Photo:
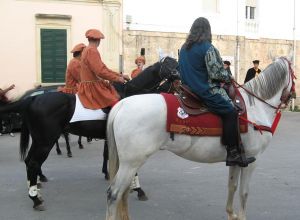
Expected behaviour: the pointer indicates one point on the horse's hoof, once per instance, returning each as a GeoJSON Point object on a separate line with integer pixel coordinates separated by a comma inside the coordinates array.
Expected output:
{"type": "Point", "coordinates": [81, 146]}
{"type": "Point", "coordinates": [233, 216]}
{"type": "Point", "coordinates": [70, 155]}
{"type": "Point", "coordinates": [37, 203]}
{"type": "Point", "coordinates": [59, 153]}
{"type": "Point", "coordinates": [39, 207]}
{"type": "Point", "coordinates": [141, 194]}
{"type": "Point", "coordinates": [106, 176]}
{"type": "Point", "coordinates": [142, 197]}
{"type": "Point", "coordinates": [39, 185]}
{"type": "Point", "coordinates": [43, 179]}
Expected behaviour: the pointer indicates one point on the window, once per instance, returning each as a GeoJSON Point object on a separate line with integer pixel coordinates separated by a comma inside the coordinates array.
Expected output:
{"type": "Point", "coordinates": [250, 12]}
{"type": "Point", "coordinates": [53, 55]}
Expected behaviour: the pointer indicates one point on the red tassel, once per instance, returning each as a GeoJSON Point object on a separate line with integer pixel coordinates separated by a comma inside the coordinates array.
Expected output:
{"type": "Point", "coordinates": [276, 121]}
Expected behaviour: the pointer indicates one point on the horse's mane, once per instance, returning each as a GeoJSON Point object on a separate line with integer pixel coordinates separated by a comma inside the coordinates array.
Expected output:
{"type": "Point", "coordinates": [269, 81]}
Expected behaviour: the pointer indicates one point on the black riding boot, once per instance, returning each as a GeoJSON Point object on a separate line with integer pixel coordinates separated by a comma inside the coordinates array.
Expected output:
{"type": "Point", "coordinates": [236, 156]}
{"type": "Point", "coordinates": [232, 140]}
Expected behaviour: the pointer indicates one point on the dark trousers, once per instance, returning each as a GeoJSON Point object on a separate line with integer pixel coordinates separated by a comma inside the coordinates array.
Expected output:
{"type": "Point", "coordinates": [230, 129]}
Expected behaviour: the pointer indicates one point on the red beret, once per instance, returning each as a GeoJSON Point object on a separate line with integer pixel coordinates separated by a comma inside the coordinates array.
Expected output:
{"type": "Point", "coordinates": [94, 34]}
{"type": "Point", "coordinates": [141, 58]}
{"type": "Point", "coordinates": [78, 48]}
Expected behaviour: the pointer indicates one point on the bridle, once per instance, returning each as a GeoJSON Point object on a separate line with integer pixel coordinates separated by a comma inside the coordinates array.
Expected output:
{"type": "Point", "coordinates": [174, 74]}
{"type": "Point", "coordinates": [285, 96]}
{"type": "Point", "coordinates": [170, 77]}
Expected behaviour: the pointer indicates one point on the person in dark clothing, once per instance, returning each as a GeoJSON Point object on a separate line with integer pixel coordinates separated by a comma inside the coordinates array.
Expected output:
{"type": "Point", "coordinates": [252, 72]}
{"type": "Point", "coordinates": [4, 100]}
{"type": "Point", "coordinates": [201, 68]}
{"type": "Point", "coordinates": [227, 65]}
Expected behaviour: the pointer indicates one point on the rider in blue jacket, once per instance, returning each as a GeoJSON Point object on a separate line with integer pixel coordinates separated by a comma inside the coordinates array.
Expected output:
{"type": "Point", "coordinates": [201, 68]}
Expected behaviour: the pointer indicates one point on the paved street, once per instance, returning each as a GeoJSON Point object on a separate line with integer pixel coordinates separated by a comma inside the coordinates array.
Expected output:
{"type": "Point", "coordinates": [177, 189]}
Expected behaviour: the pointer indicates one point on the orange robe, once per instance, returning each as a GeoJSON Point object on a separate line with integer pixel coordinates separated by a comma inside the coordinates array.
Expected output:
{"type": "Point", "coordinates": [135, 72]}
{"type": "Point", "coordinates": [72, 76]}
{"type": "Point", "coordinates": [94, 89]}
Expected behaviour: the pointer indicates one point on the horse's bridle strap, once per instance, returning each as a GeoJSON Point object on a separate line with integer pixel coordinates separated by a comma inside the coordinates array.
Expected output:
{"type": "Point", "coordinates": [292, 76]}
{"type": "Point", "coordinates": [261, 128]}
{"type": "Point", "coordinates": [237, 85]}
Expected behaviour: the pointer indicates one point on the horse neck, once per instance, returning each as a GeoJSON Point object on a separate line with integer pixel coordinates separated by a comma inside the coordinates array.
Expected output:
{"type": "Point", "coordinates": [267, 86]}
{"type": "Point", "coordinates": [260, 112]}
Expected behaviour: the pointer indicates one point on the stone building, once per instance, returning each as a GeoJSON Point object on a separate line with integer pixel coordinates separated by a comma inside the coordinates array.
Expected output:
{"type": "Point", "coordinates": [37, 35]}
{"type": "Point", "coordinates": [243, 30]}
{"type": "Point", "coordinates": [170, 43]}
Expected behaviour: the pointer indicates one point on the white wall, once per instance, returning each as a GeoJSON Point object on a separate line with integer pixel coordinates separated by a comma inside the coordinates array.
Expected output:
{"type": "Point", "coordinates": [275, 18]}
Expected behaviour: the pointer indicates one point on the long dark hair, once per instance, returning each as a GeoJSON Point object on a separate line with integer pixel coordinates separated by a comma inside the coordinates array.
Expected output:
{"type": "Point", "coordinates": [199, 32]}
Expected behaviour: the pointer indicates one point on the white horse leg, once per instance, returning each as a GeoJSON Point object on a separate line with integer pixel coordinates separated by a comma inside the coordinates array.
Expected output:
{"type": "Point", "coordinates": [246, 175]}
{"type": "Point", "coordinates": [117, 194]}
{"type": "Point", "coordinates": [233, 179]}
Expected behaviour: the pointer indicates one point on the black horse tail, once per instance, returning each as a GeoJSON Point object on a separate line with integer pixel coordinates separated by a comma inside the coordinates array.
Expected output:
{"type": "Point", "coordinates": [24, 141]}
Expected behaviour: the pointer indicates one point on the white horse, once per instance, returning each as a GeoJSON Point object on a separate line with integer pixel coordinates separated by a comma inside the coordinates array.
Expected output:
{"type": "Point", "coordinates": [128, 151]}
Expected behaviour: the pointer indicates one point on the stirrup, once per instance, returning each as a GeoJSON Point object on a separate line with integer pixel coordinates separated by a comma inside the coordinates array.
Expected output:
{"type": "Point", "coordinates": [241, 163]}
{"type": "Point", "coordinates": [235, 158]}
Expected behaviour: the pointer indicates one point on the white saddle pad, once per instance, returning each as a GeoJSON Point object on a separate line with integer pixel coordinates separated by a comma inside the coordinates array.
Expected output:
{"type": "Point", "coordinates": [83, 114]}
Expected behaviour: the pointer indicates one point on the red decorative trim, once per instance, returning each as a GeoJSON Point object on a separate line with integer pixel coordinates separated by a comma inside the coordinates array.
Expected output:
{"type": "Point", "coordinates": [261, 128]}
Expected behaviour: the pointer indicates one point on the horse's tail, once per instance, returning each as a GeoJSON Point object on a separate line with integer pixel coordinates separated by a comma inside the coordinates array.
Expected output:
{"type": "Point", "coordinates": [24, 140]}
{"type": "Point", "coordinates": [112, 146]}
{"type": "Point", "coordinates": [122, 209]}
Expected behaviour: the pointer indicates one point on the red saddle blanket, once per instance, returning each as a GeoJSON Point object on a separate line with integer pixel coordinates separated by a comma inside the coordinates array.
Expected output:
{"type": "Point", "coordinates": [206, 124]}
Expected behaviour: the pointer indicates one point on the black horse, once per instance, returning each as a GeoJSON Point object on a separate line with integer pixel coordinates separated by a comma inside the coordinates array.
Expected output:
{"type": "Point", "coordinates": [68, 147]}
{"type": "Point", "coordinates": [47, 116]}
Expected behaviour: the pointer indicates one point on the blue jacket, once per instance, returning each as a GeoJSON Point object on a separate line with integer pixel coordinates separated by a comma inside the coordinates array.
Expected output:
{"type": "Point", "coordinates": [201, 68]}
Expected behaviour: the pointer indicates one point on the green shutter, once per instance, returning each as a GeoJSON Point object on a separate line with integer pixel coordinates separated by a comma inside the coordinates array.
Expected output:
{"type": "Point", "coordinates": [53, 55]}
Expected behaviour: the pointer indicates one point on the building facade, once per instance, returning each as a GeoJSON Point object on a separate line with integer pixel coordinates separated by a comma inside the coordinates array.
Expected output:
{"type": "Point", "coordinates": [38, 35]}
{"type": "Point", "coordinates": [169, 43]}
{"type": "Point", "coordinates": [243, 30]}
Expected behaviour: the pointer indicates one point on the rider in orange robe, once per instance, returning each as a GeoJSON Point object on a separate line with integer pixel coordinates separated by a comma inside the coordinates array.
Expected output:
{"type": "Point", "coordinates": [73, 70]}
{"type": "Point", "coordinates": [140, 62]}
{"type": "Point", "coordinates": [95, 90]}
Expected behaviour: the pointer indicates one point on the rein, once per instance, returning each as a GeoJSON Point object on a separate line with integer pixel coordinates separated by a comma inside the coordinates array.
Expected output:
{"type": "Point", "coordinates": [237, 85]}
{"type": "Point", "coordinates": [284, 100]}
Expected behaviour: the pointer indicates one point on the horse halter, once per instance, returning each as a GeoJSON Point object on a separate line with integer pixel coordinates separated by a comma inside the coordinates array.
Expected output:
{"type": "Point", "coordinates": [168, 72]}
{"type": "Point", "coordinates": [285, 96]}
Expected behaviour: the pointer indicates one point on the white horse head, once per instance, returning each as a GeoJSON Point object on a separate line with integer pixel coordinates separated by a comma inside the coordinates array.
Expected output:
{"type": "Point", "coordinates": [129, 150]}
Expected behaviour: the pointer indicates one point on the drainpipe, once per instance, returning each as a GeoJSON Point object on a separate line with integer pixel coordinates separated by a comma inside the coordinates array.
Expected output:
{"type": "Point", "coordinates": [237, 48]}
{"type": "Point", "coordinates": [294, 48]}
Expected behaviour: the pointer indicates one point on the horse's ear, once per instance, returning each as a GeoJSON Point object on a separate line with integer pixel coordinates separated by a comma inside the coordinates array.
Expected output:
{"type": "Point", "coordinates": [271, 56]}
{"type": "Point", "coordinates": [290, 57]}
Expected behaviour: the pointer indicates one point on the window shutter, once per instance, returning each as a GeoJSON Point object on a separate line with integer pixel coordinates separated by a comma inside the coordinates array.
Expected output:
{"type": "Point", "coordinates": [53, 55]}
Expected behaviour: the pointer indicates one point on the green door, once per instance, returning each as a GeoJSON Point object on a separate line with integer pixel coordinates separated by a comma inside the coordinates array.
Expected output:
{"type": "Point", "coordinates": [53, 55]}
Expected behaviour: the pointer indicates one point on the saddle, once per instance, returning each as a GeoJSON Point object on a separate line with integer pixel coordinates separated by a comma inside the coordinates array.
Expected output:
{"type": "Point", "coordinates": [193, 105]}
